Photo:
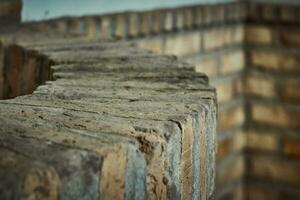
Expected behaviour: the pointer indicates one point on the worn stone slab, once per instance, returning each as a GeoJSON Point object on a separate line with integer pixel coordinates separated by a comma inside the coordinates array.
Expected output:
{"type": "Point", "coordinates": [108, 149]}
{"type": "Point", "coordinates": [122, 105]}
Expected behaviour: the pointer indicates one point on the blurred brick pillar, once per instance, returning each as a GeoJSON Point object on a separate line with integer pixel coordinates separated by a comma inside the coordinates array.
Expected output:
{"type": "Point", "coordinates": [10, 13]}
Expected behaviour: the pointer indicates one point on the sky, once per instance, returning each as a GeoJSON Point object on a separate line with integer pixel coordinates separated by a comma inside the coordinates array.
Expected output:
{"type": "Point", "coordinates": [46, 9]}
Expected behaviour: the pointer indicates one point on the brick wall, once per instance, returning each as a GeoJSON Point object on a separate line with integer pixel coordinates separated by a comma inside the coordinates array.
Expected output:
{"type": "Point", "coordinates": [272, 86]}
{"type": "Point", "coordinates": [211, 38]}
{"type": "Point", "coordinates": [250, 53]}
{"type": "Point", "coordinates": [10, 13]}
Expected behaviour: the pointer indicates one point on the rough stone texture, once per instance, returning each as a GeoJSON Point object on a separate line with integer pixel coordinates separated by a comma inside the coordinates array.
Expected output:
{"type": "Point", "coordinates": [126, 123]}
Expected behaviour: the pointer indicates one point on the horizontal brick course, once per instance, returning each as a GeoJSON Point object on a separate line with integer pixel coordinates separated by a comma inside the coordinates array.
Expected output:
{"type": "Point", "coordinates": [278, 62]}
{"type": "Point", "coordinates": [275, 170]}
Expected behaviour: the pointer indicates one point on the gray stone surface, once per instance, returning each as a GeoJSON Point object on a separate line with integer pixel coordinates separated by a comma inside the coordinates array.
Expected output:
{"type": "Point", "coordinates": [126, 124]}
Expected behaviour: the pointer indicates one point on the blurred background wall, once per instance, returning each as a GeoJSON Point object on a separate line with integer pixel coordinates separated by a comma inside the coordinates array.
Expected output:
{"type": "Point", "coordinates": [41, 10]}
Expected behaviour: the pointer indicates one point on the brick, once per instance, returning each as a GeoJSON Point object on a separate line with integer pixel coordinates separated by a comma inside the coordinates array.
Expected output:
{"type": "Point", "coordinates": [289, 195]}
{"type": "Point", "coordinates": [145, 25]}
{"type": "Point", "coordinates": [121, 26]}
{"type": "Point", "coordinates": [239, 193]}
{"type": "Point", "coordinates": [260, 86]}
{"type": "Point", "coordinates": [289, 38]}
{"type": "Point", "coordinates": [14, 59]}
{"type": "Point", "coordinates": [1, 71]}
{"type": "Point", "coordinates": [152, 44]}
{"type": "Point", "coordinates": [275, 170]}
{"type": "Point", "coordinates": [30, 73]}
{"type": "Point", "coordinates": [287, 13]}
{"type": "Point", "coordinates": [156, 22]}
{"type": "Point", "coordinates": [183, 44]}
{"type": "Point", "coordinates": [258, 35]}
{"type": "Point", "coordinates": [207, 14]}
{"type": "Point", "coordinates": [269, 13]}
{"type": "Point", "coordinates": [105, 27]}
{"type": "Point", "coordinates": [60, 25]}
{"type": "Point", "coordinates": [95, 107]}
{"type": "Point", "coordinates": [75, 26]}
{"type": "Point", "coordinates": [254, 141]}
{"type": "Point", "coordinates": [284, 117]}
{"type": "Point", "coordinates": [231, 118]}
{"type": "Point", "coordinates": [205, 65]}
{"type": "Point", "coordinates": [228, 90]}
{"type": "Point", "coordinates": [291, 91]}
{"type": "Point", "coordinates": [168, 21]}
{"type": "Point", "coordinates": [233, 171]}
{"type": "Point", "coordinates": [238, 34]}
{"type": "Point", "coordinates": [133, 25]}
{"type": "Point", "coordinates": [278, 62]}
{"type": "Point", "coordinates": [216, 38]}
{"type": "Point", "coordinates": [232, 62]}
{"type": "Point", "coordinates": [188, 17]}
{"type": "Point", "coordinates": [230, 145]}
{"type": "Point", "coordinates": [239, 141]}
{"type": "Point", "coordinates": [179, 19]}
{"type": "Point", "coordinates": [258, 193]}
{"type": "Point", "coordinates": [224, 148]}
{"type": "Point", "coordinates": [199, 18]}
{"type": "Point", "coordinates": [291, 147]}
{"type": "Point", "coordinates": [9, 8]}
{"type": "Point", "coordinates": [92, 27]}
